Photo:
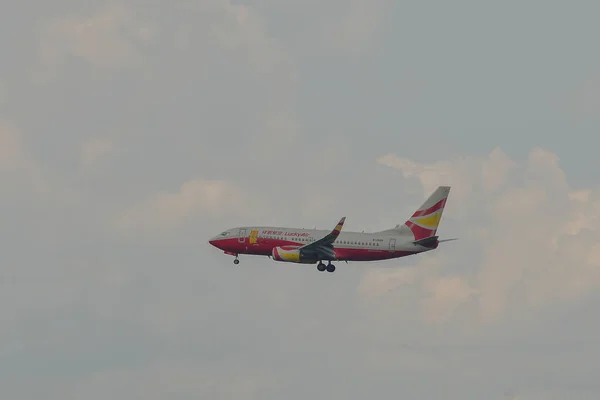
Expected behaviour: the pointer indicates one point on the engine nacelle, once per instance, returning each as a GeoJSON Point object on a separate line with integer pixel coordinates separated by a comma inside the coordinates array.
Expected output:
{"type": "Point", "coordinates": [290, 254]}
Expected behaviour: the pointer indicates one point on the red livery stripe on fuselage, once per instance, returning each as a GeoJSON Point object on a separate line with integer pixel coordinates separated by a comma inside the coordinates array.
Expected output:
{"type": "Point", "coordinates": [265, 246]}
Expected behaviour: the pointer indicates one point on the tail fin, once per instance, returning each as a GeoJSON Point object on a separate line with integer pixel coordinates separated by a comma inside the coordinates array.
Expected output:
{"type": "Point", "coordinates": [425, 221]}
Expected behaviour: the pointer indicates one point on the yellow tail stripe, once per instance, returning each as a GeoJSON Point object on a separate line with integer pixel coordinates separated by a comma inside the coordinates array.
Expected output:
{"type": "Point", "coordinates": [429, 221]}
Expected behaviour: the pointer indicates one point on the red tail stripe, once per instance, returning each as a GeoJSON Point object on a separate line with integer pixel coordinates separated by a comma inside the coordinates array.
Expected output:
{"type": "Point", "coordinates": [419, 232]}
{"type": "Point", "coordinates": [431, 209]}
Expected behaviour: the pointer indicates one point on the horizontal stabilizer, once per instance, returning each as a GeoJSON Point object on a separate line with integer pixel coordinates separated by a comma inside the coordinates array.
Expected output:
{"type": "Point", "coordinates": [426, 242]}
{"type": "Point", "coordinates": [447, 240]}
{"type": "Point", "coordinates": [431, 241]}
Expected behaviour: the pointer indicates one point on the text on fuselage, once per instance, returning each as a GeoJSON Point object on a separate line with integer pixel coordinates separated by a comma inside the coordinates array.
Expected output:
{"type": "Point", "coordinates": [280, 233]}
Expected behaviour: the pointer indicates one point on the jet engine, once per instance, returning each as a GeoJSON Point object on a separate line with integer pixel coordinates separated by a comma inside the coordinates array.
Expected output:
{"type": "Point", "coordinates": [290, 254]}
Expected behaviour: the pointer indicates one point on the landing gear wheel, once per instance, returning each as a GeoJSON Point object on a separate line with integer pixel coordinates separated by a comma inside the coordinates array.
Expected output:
{"type": "Point", "coordinates": [330, 268]}
{"type": "Point", "coordinates": [236, 261]}
{"type": "Point", "coordinates": [321, 267]}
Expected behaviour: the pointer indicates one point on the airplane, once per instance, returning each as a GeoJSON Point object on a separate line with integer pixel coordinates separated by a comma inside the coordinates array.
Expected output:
{"type": "Point", "coordinates": [313, 246]}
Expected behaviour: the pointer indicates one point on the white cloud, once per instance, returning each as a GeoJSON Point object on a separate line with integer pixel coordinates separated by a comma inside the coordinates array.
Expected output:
{"type": "Point", "coordinates": [541, 237]}
{"type": "Point", "coordinates": [107, 39]}
{"type": "Point", "coordinates": [195, 198]}
{"type": "Point", "coordinates": [376, 282]}
{"type": "Point", "coordinates": [3, 96]}
{"type": "Point", "coordinates": [27, 180]}
{"type": "Point", "coordinates": [271, 62]}
{"type": "Point", "coordinates": [235, 41]}
{"type": "Point", "coordinates": [244, 29]}
{"type": "Point", "coordinates": [95, 150]}
{"type": "Point", "coordinates": [18, 169]}
{"type": "Point", "coordinates": [495, 170]}
{"type": "Point", "coordinates": [583, 103]}
{"type": "Point", "coordinates": [356, 24]}
{"type": "Point", "coordinates": [158, 381]}
{"type": "Point", "coordinates": [11, 148]}
{"type": "Point", "coordinates": [457, 173]}
{"type": "Point", "coordinates": [350, 27]}
{"type": "Point", "coordinates": [445, 296]}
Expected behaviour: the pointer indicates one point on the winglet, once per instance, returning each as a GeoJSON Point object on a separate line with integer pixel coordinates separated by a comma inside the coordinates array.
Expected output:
{"type": "Point", "coordinates": [338, 228]}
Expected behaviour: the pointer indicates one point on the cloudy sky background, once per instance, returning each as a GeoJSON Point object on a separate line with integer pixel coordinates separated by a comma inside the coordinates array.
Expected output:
{"type": "Point", "coordinates": [132, 131]}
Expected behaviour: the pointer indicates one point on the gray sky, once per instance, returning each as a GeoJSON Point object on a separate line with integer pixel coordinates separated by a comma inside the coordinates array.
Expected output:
{"type": "Point", "coordinates": [132, 131]}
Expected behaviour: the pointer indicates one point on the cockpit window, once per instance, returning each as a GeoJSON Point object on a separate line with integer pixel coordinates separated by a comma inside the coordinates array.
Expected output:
{"type": "Point", "coordinates": [224, 233]}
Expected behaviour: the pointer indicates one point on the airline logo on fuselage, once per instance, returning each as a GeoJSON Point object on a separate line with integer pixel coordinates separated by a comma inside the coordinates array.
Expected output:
{"type": "Point", "coordinates": [289, 234]}
{"type": "Point", "coordinates": [253, 236]}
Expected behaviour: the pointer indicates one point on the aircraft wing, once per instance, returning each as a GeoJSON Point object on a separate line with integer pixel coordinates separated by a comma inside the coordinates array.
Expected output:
{"type": "Point", "coordinates": [323, 248]}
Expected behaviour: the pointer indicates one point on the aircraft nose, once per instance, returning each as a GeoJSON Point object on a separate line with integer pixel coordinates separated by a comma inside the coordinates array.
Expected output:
{"type": "Point", "coordinates": [219, 241]}
{"type": "Point", "coordinates": [215, 242]}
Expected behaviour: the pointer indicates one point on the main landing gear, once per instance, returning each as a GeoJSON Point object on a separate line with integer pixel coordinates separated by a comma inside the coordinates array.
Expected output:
{"type": "Point", "coordinates": [329, 267]}
{"type": "Point", "coordinates": [236, 261]}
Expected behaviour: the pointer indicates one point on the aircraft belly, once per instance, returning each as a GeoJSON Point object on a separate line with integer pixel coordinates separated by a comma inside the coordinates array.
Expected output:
{"type": "Point", "coordinates": [370, 255]}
